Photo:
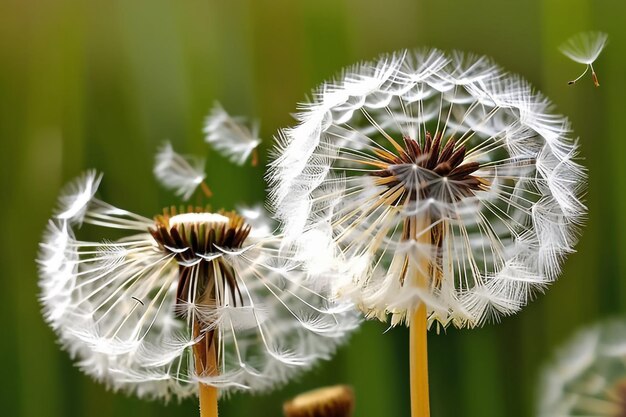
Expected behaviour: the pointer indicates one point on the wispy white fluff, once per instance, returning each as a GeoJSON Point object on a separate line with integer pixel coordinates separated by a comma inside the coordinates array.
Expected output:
{"type": "Point", "coordinates": [584, 48]}
{"type": "Point", "coordinates": [586, 375]}
{"type": "Point", "coordinates": [182, 174]}
{"type": "Point", "coordinates": [500, 244]}
{"type": "Point", "coordinates": [230, 135]}
{"type": "Point", "coordinates": [76, 195]}
{"type": "Point", "coordinates": [113, 303]}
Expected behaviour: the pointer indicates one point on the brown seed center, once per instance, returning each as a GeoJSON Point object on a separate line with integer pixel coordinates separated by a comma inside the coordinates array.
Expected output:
{"type": "Point", "coordinates": [196, 239]}
{"type": "Point", "coordinates": [430, 162]}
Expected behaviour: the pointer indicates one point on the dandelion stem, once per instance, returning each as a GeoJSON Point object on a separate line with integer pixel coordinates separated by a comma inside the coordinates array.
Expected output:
{"type": "Point", "coordinates": [420, 405]}
{"type": "Point", "coordinates": [418, 327]}
{"type": "Point", "coordinates": [208, 401]}
{"type": "Point", "coordinates": [206, 365]}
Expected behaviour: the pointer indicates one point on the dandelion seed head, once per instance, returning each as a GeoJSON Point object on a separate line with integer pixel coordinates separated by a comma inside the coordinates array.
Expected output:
{"type": "Point", "coordinates": [145, 313]}
{"type": "Point", "coordinates": [438, 179]}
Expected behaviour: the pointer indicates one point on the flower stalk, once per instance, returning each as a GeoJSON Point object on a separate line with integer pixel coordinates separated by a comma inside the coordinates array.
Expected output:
{"type": "Point", "coordinates": [421, 231]}
{"type": "Point", "coordinates": [418, 345]}
{"type": "Point", "coordinates": [208, 401]}
{"type": "Point", "coordinates": [206, 365]}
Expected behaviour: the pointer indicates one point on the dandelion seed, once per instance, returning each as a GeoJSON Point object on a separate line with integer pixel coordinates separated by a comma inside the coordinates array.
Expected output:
{"type": "Point", "coordinates": [231, 137]}
{"type": "Point", "coordinates": [444, 187]}
{"type": "Point", "coordinates": [179, 173]}
{"type": "Point", "coordinates": [187, 303]}
{"type": "Point", "coordinates": [584, 48]}
{"type": "Point", "coordinates": [587, 375]}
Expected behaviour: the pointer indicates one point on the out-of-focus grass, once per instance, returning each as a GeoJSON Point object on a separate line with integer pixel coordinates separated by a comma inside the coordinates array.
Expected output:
{"type": "Point", "coordinates": [102, 84]}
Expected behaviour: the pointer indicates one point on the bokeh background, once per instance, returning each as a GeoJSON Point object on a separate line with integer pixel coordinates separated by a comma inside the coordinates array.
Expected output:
{"type": "Point", "coordinates": [102, 83]}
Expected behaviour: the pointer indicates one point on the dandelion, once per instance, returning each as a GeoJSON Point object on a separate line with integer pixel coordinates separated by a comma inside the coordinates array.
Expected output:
{"type": "Point", "coordinates": [584, 48]}
{"type": "Point", "coordinates": [587, 376]}
{"type": "Point", "coordinates": [191, 302]}
{"type": "Point", "coordinates": [231, 137]}
{"type": "Point", "coordinates": [335, 401]}
{"type": "Point", "coordinates": [446, 188]}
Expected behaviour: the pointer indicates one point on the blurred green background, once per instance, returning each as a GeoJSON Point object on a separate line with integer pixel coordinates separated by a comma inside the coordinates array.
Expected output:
{"type": "Point", "coordinates": [102, 83]}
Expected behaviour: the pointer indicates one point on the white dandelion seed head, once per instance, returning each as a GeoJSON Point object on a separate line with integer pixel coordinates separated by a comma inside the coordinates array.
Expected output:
{"type": "Point", "coordinates": [587, 375]}
{"type": "Point", "coordinates": [182, 174]}
{"type": "Point", "coordinates": [584, 47]}
{"type": "Point", "coordinates": [133, 310]}
{"type": "Point", "coordinates": [439, 179]}
{"type": "Point", "coordinates": [230, 136]}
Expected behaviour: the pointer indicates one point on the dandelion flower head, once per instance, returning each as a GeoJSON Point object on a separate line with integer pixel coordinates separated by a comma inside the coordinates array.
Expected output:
{"type": "Point", "coordinates": [158, 305]}
{"type": "Point", "coordinates": [438, 179]}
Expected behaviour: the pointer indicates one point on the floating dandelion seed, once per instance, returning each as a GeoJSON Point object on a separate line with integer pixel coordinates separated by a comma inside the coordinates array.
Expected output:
{"type": "Point", "coordinates": [186, 303]}
{"type": "Point", "coordinates": [231, 137]}
{"type": "Point", "coordinates": [448, 189]}
{"type": "Point", "coordinates": [584, 48]}
{"type": "Point", "coordinates": [179, 173]}
{"type": "Point", "coordinates": [588, 375]}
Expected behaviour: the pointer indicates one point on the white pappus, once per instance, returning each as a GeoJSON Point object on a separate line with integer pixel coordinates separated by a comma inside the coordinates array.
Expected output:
{"type": "Point", "coordinates": [584, 48]}
{"type": "Point", "coordinates": [231, 137]}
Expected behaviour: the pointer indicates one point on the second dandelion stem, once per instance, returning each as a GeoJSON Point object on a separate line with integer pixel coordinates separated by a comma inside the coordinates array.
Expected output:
{"type": "Point", "coordinates": [419, 230]}
{"type": "Point", "coordinates": [418, 345]}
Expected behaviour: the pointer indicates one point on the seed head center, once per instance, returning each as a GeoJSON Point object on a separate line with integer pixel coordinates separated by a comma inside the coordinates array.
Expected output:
{"type": "Point", "coordinates": [198, 232]}
{"type": "Point", "coordinates": [199, 218]}
{"type": "Point", "coordinates": [420, 168]}
{"type": "Point", "coordinates": [197, 238]}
